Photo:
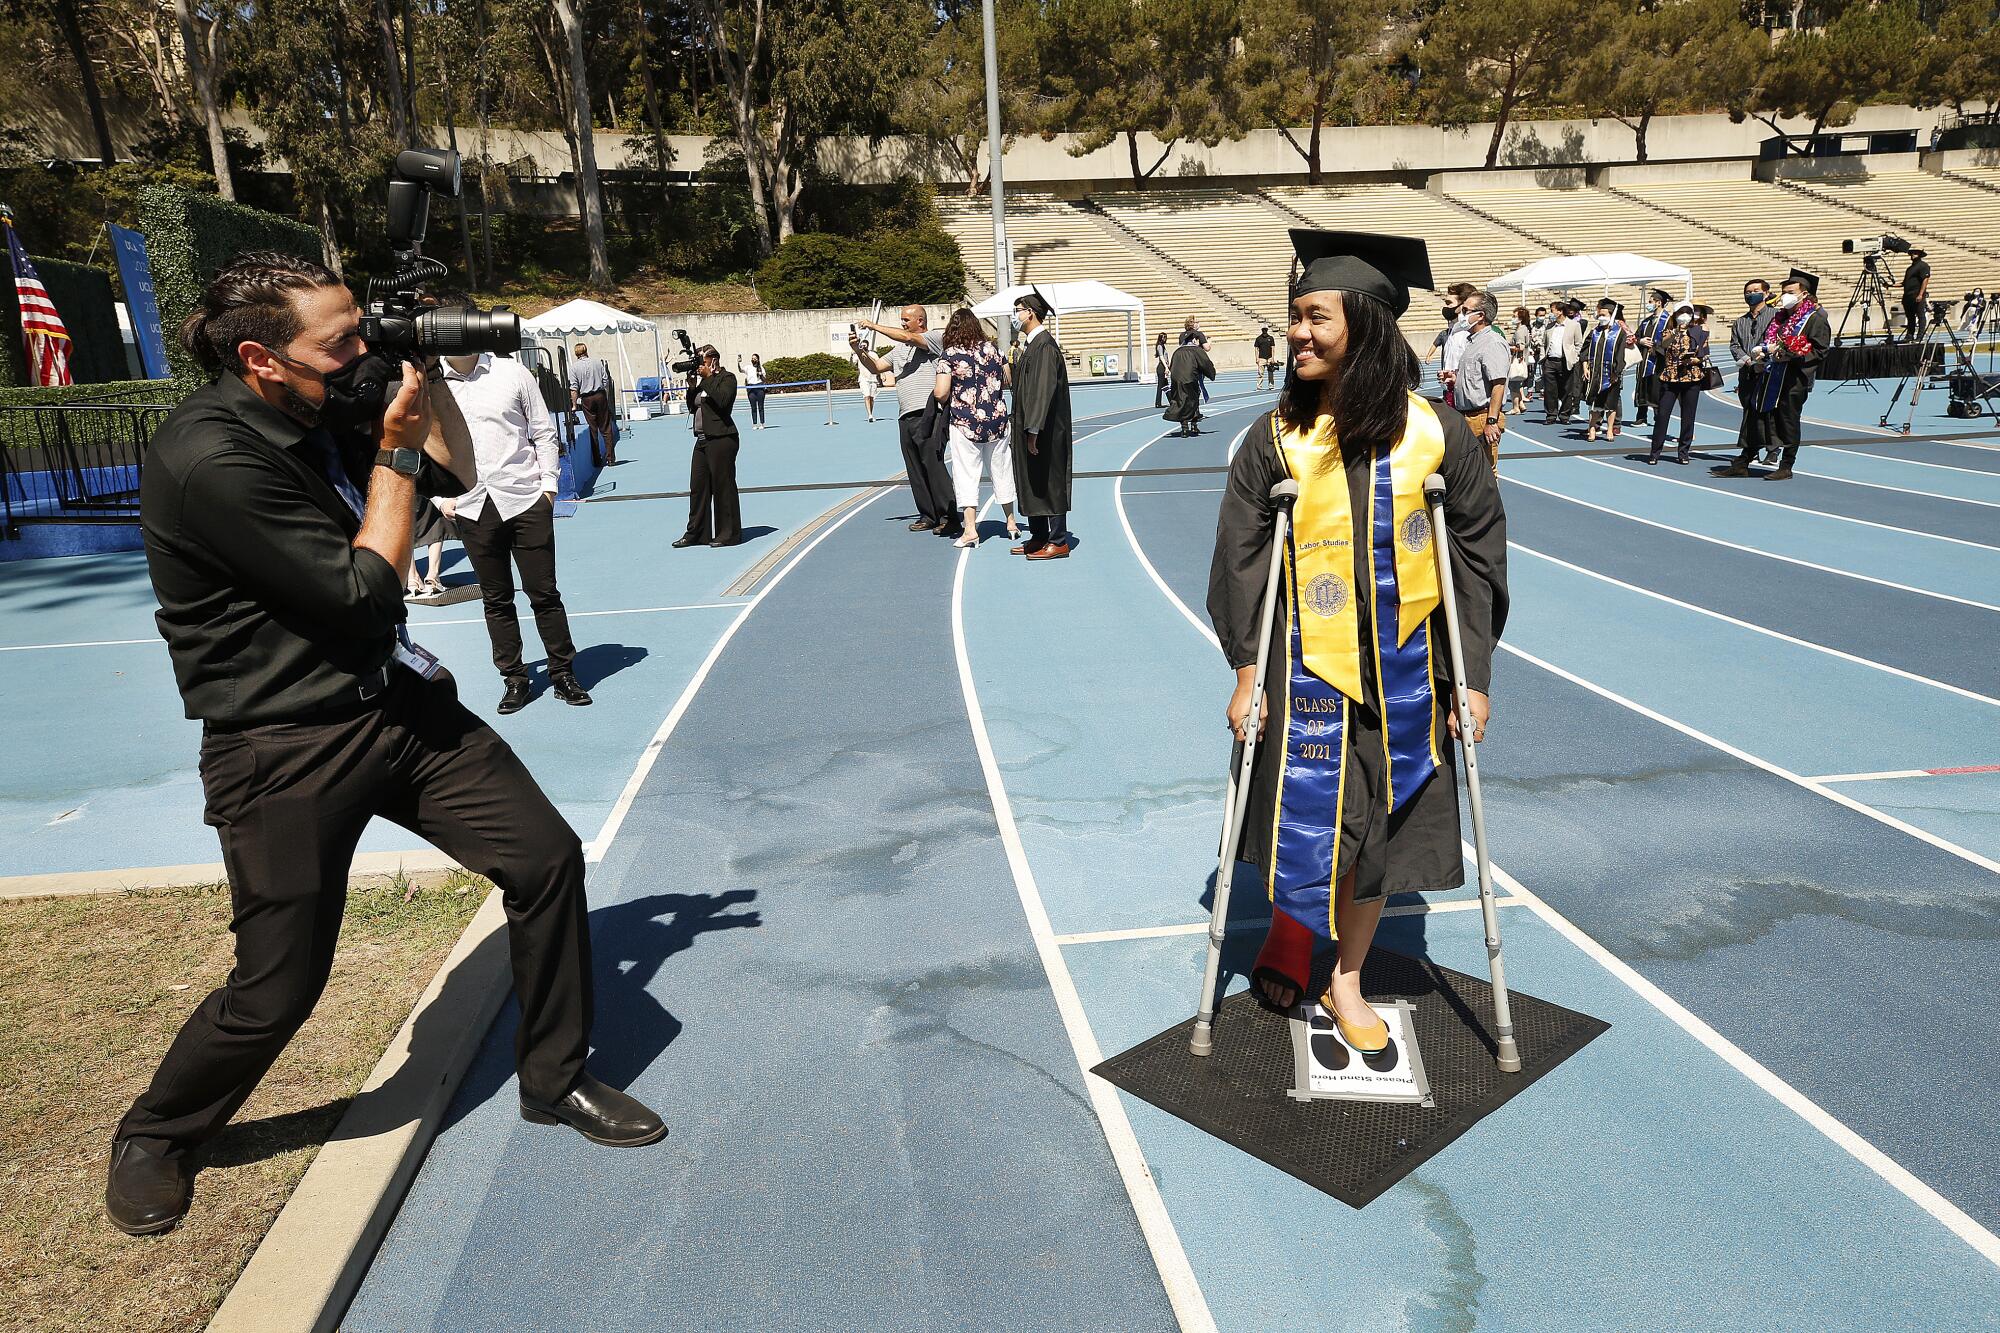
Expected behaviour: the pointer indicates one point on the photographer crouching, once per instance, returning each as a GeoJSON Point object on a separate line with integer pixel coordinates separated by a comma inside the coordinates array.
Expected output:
{"type": "Point", "coordinates": [276, 511]}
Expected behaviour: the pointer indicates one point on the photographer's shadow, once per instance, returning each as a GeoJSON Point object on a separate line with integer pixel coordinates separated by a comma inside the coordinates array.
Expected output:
{"type": "Point", "coordinates": [630, 943]}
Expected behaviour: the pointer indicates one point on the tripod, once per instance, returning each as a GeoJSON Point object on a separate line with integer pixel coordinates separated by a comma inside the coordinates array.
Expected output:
{"type": "Point", "coordinates": [1871, 293]}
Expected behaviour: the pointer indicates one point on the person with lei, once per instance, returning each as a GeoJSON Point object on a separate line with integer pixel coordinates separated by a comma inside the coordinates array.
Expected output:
{"type": "Point", "coordinates": [1783, 368]}
{"type": "Point", "coordinates": [1354, 795]}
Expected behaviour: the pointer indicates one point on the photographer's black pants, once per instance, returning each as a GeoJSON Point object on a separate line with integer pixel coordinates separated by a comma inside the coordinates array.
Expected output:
{"type": "Point", "coordinates": [1914, 319]}
{"type": "Point", "coordinates": [714, 513]}
{"type": "Point", "coordinates": [923, 464]}
{"type": "Point", "coordinates": [529, 540]}
{"type": "Point", "coordinates": [290, 801]}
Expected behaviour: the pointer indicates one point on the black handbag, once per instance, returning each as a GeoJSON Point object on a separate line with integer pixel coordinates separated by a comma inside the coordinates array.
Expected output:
{"type": "Point", "coordinates": [1711, 376]}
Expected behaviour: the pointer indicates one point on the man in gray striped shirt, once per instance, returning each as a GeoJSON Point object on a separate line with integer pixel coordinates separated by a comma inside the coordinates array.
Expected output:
{"type": "Point", "coordinates": [912, 368]}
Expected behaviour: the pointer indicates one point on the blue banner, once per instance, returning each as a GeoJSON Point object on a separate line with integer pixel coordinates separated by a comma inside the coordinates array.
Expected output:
{"type": "Point", "coordinates": [135, 271]}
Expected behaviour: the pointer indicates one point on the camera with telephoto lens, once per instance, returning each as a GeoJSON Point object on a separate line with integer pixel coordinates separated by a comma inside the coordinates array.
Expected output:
{"type": "Point", "coordinates": [690, 359]}
{"type": "Point", "coordinates": [397, 322]}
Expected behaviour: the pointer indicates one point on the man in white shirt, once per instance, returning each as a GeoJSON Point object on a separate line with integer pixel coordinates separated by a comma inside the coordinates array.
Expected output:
{"type": "Point", "coordinates": [509, 514]}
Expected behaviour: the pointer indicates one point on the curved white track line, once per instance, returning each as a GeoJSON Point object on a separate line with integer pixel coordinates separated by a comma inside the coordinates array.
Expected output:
{"type": "Point", "coordinates": [1183, 1290]}
{"type": "Point", "coordinates": [1201, 627]}
{"type": "Point", "coordinates": [595, 849]}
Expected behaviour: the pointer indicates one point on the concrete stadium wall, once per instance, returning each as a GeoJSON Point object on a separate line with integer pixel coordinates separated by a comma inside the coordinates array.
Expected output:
{"type": "Point", "coordinates": [1823, 168]}
{"type": "Point", "coordinates": [1955, 158]}
{"type": "Point", "coordinates": [1654, 173]}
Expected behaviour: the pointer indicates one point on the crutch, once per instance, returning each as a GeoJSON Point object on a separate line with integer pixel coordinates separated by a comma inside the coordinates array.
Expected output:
{"type": "Point", "coordinates": [1284, 495]}
{"type": "Point", "coordinates": [1509, 1055]}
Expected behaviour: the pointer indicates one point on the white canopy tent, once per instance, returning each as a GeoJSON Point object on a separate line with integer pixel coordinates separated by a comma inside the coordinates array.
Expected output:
{"type": "Point", "coordinates": [586, 319]}
{"type": "Point", "coordinates": [1070, 298]}
{"type": "Point", "coordinates": [1564, 273]}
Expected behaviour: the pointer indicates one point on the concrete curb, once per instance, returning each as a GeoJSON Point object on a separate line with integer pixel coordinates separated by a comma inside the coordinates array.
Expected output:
{"type": "Point", "coordinates": [310, 1264]}
{"type": "Point", "coordinates": [176, 877]}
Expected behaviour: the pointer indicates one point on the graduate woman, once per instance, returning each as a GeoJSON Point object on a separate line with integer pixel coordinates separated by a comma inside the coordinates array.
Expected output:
{"type": "Point", "coordinates": [1354, 796]}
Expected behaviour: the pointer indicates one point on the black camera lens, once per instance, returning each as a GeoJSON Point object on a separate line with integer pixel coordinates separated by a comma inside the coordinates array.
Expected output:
{"type": "Point", "coordinates": [462, 330]}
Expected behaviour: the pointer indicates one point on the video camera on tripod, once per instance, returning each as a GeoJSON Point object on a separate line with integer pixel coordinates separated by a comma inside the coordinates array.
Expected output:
{"type": "Point", "coordinates": [1871, 248]}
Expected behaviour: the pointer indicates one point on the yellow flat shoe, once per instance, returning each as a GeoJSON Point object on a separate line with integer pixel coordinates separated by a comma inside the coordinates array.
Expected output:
{"type": "Point", "coordinates": [1367, 1041]}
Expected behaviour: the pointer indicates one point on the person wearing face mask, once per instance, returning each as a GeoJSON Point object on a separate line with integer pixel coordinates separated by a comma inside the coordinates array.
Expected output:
{"type": "Point", "coordinates": [276, 514]}
{"type": "Point", "coordinates": [1652, 328]}
{"type": "Point", "coordinates": [1559, 345]}
{"type": "Point", "coordinates": [1334, 824]}
{"type": "Point", "coordinates": [1684, 369]}
{"type": "Point", "coordinates": [1451, 339]}
{"type": "Point", "coordinates": [1744, 334]}
{"type": "Point", "coordinates": [1479, 382]}
{"type": "Point", "coordinates": [1603, 364]}
{"type": "Point", "coordinates": [1784, 363]}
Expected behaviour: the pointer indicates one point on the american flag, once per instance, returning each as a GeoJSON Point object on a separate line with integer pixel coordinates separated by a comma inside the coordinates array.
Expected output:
{"type": "Point", "coordinates": [42, 328]}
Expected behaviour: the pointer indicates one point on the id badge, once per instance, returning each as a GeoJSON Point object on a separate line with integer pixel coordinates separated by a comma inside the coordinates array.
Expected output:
{"type": "Point", "coordinates": [418, 659]}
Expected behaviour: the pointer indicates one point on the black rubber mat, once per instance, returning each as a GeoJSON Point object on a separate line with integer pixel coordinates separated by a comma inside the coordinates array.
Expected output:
{"type": "Point", "coordinates": [1352, 1150]}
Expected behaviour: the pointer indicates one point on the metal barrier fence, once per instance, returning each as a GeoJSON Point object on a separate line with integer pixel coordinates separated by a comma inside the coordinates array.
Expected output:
{"type": "Point", "coordinates": [74, 462]}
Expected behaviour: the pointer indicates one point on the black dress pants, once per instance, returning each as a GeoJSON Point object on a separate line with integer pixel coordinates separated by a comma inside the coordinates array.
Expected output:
{"type": "Point", "coordinates": [714, 512]}
{"type": "Point", "coordinates": [1683, 396]}
{"type": "Point", "coordinates": [1555, 389]}
{"type": "Point", "coordinates": [1646, 396]}
{"type": "Point", "coordinates": [1914, 320]}
{"type": "Point", "coordinates": [1776, 429]}
{"type": "Point", "coordinates": [290, 801]}
{"type": "Point", "coordinates": [1045, 528]}
{"type": "Point", "coordinates": [923, 464]}
{"type": "Point", "coordinates": [528, 540]}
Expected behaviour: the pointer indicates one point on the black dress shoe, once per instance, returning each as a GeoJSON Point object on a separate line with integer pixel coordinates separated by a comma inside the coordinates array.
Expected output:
{"type": "Point", "coordinates": [1733, 470]}
{"type": "Point", "coordinates": [685, 541]}
{"type": "Point", "coordinates": [733, 541]}
{"type": "Point", "coordinates": [145, 1194]}
{"type": "Point", "coordinates": [1782, 474]}
{"type": "Point", "coordinates": [600, 1113]}
{"type": "Point", "coordinates": [922, 525]}
{"type": "Point", "coordinates": [517, 695]}
{"type": "Point", "coordinates": [567, 690]}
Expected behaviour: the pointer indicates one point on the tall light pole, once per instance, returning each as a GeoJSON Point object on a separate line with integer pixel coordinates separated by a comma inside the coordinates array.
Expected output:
{"type": "Point", "coordinates": [1003, 257]}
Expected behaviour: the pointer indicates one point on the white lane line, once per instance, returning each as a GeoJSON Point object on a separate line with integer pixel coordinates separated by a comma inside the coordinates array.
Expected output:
{"type": "Point", "coordinates": [1897, 435]}
{"type": "Point", "coordinates": [1749, 550]}
{"type": "Point", "coordinates": [1139, 552]}
{"type": "Point", "coordinates": [85, 643]}
{"type": "Point", "coordinates": [1183, 1290]}
{"type": "Point", "coordinates": [1864, 1152]}
{"type": "Point", "coordinates": [1812, 471]}
{"type": "Point", "coordinates": [1775, 504]}
{"type": "Point", "coordinates": [1201, 927]}
{"type": "Point", "coordinates": [1759, 629]}
{"type": "Point", "coordinates": [1735, 752]}
{"type": "Point", "coordinates": [597, 846]}
{"type": "Point", "coordinates": [1872, 777]}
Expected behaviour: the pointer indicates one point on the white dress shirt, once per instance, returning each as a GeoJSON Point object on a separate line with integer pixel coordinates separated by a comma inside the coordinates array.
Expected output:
{"type": "Point", "coordinates": [513, 439]}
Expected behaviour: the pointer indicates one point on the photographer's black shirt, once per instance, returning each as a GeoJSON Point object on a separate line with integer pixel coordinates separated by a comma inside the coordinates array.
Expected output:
{"type": "Point", "coordinates": [269, 611]}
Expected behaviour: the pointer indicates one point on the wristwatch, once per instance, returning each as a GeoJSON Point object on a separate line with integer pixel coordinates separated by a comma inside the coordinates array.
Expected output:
{"type": "Point", "coordinates": [404, 462]}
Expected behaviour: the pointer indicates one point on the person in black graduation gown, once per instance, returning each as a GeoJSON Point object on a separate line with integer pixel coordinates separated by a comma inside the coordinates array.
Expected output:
{"type": "Point", "coordinates": [1040, 424]}
{"type": "Point", "coordinates": [1784, 365]}
{"type": "Point", "coordinates": [1189, 367]}
{"type": "Point", "coordinates": [1343, 333]}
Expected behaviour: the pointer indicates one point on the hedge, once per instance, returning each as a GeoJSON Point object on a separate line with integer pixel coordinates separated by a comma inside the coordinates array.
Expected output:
{"type": "Point", "coordinates": [82, 296]}
{"type": "Point", "coordinates": [818, 366]}
{"type": "Point", "coordinates": [189, 236]}
{"type": "Point", "coordinates": [815, 270]}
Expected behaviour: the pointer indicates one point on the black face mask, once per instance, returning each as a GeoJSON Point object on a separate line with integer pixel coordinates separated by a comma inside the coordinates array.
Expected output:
{"type": "Point", "coordinates": [355, 394]}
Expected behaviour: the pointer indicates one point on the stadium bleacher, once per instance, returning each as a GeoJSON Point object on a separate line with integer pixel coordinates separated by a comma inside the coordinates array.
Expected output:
{"type": "Point", "coordinates": [1055, 241]}
{"type": "Point", "coordinates": [1809, 230]}
{"type": "Point", "coordinates": [1586, 220]}
{"type": "Point", "coordinates": [1220, 253]}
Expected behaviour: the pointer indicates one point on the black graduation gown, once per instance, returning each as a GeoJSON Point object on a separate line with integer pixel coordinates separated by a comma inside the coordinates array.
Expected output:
{"type": "Point", "coordinates": [1189, 367]}
{"type": "Point", "coordinates": [1418, 847]}
{"type": "Point", "coordinates": [1041, 409]}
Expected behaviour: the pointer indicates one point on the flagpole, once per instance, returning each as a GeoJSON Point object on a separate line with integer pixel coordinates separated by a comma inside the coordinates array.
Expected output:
{"type": "Point", "coordinates": [1003, 258]}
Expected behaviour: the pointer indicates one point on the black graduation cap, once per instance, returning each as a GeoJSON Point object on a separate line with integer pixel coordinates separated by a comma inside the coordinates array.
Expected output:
{"type": "Point", "coordinates": [1035, 301]}
{"type": "Point", "coordinates": [1617, 308]}
{"type": "Point", "coordinates": [1809, 281]}
{"type": "Point", "coordinates": [1365, 263]}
